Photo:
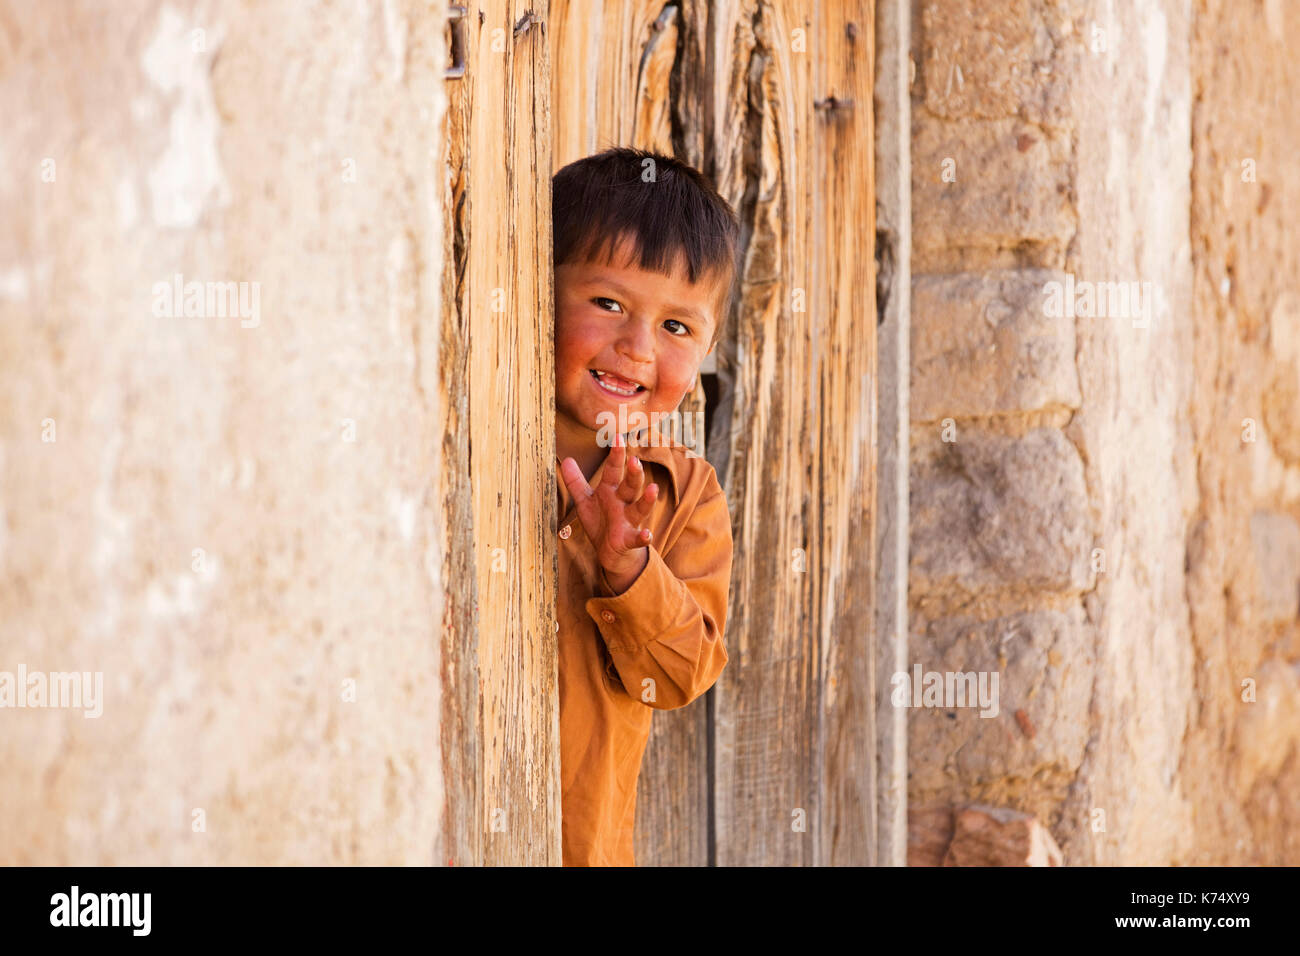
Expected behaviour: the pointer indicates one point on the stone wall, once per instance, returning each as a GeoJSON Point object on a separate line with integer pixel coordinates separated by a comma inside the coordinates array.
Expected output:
{"type": "Point", "coordinates": [1243, 545]}
{"type": "Point", "coordinates": [1085, 517]}
{"type": "Point", "coordinates": [233, 518]}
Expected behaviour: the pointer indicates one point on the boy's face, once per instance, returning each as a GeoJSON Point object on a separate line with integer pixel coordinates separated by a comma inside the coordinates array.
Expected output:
{"type": "Point", "coordinates": [644, 333]}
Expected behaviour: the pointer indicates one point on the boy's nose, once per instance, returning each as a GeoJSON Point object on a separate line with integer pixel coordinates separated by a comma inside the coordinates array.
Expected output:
{"type": "Point", "coordinates": [636, 344]}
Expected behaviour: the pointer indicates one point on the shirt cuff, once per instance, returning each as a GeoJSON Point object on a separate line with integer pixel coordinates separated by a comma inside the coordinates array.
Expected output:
{"type": "Point", "coordinates": [642, 613]}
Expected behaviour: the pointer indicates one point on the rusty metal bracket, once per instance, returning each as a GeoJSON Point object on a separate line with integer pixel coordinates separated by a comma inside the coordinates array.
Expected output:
{"type": "Point", "coordinates": [525, 22]}
{"type": "Point", "coordinates": [456, 17]}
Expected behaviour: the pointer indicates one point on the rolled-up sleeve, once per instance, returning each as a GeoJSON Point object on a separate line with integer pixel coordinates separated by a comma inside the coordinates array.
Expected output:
{"type": "Point", "coordinates": [664, 633]}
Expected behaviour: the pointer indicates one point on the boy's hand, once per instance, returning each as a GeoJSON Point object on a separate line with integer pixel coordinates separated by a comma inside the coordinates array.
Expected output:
{"type": "Point", "coordinates": [613, 512]}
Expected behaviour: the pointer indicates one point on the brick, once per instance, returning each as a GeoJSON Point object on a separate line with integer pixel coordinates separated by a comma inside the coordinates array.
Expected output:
{"type": "Point", "coordinates": [995, 836]}
{"type": "Point", "coordinates": [1045, 662]}
{"type": "Point", "coordinates": [928, 834]}
{"type": "Point", "coordinates": [992, 59]}
{"type": "Point", "coordinates": [1276, 540]}
{"type": "Point", "coordinates": [1282, 396]}
{"type": "Point", "coordinates": [982, 345]}
{"type": "Point", "coordinates": [978, 835]}
{"type": "Point", "coordinates": [1263, 736]}
{"type": "Point", "coordinates": [1012, 184]}
{"type": "Point", "coordinates": [994, 513]}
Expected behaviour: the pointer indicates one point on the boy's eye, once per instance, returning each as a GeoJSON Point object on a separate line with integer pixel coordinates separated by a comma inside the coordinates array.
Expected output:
{"type": "Point", "coordinates": [684, 329]}
{"type": "Point", "coordinates": [600, 298]}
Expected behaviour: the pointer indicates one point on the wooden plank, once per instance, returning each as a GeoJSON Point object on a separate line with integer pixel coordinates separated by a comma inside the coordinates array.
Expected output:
{"type": "Point", "coordinates": [611, 80]}
{"type": "Point", "coordinates": [765, 785]}
{"type": "Point", "coordinates": [843, 216]}
{"type": "Point", "coordinates": [500, 204]}
{"type": "Point", "coordinates": [463, 826]}
{"type": "Point", "coordinates": [794, 740]}
{"type": "Point", "coordinates": [891, 118]}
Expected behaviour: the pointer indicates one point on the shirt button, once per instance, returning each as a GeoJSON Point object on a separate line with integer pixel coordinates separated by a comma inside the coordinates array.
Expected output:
{"type": "Point", "coordinates": [566, 531]}
{"type": "Point", "coordinates": [608, 617]}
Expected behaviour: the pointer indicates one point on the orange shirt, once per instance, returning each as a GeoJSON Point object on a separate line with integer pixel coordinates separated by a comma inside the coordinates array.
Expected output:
{"type": "Point", "coordinates": [658, 645]}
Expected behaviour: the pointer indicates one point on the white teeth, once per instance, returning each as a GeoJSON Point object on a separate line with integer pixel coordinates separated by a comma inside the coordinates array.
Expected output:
{"type": "Point", "coordinates": [600, 378]}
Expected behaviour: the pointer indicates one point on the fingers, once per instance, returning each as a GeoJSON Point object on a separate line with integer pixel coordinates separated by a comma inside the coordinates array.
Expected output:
{"type": "Point", "coordinates": [584, 498]}
{"type": "Point", "coordinates": [574, 480]}
{"type": "Point", "coordinates": [621, 514]}
{"type": "Point", "coordinates": [639, 510]}
{"type": "Point", "coordinates": [633, 482]}
{"type": "Point", "coordinates": [581, 493]}
{"type": "Point", "coordinates": [613, 474]}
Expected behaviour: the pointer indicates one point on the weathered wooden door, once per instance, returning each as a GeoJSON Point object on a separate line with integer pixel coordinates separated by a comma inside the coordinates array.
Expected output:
{"type": "Point", "coordinates": [500, 724]}
{"type": "Point", "coordinates": [773, 101]}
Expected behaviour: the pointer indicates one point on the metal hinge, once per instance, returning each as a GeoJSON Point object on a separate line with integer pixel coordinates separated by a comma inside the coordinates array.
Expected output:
{"type": "Point", "coordinates": [456, 17]}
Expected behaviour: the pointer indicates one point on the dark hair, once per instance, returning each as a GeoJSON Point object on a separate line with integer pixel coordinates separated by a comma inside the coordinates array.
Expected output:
{"type": "Point", "coordinates": [664, 206]}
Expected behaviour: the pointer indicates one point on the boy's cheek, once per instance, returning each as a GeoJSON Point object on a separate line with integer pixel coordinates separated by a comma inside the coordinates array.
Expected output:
{"type": "Point", "coordinates": [565, 353]}
{"type": "Point", "coordinates": [683, 377]}
{"type": "Point", "coordinates": [670, 395]}
{"type": "Point", "coordinates": [572, 339]}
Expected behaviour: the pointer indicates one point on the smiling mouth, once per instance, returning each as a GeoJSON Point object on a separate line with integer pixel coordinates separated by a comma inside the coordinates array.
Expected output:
{"type": "Point", "coordinates": [614, 385]}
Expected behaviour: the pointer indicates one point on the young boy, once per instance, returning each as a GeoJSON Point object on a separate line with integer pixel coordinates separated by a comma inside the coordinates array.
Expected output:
{"type": "Point", "coordinates": [645, 262]}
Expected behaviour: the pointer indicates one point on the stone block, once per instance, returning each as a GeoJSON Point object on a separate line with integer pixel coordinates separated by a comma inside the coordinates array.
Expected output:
{"type": "Point", "coordinates": [982, 344]}
{"type": "Point", "coordinates": [1276, 540]}
{"type": "Point", "coordinates": [1045, 665]}
{"type": "Point", "coordinates": [978, 836]}
{"type": "Point", "coordinates": [992, 59]}
{"type": "Point", "coordinates": [1282, 396]}
{"type": "Point", "coordinates": [990, 184]}
{"type": "Point", "coordinates": [1263, 737]}
{"type": "Point", "coordinates": [928, 834]}
{"type": "Point", "coordinates": [995, 836]}
{"type": "Point", "coordinates": [992, 513]}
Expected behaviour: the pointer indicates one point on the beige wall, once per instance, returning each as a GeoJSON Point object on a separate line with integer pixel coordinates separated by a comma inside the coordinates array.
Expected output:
{"type": "Point", "coordinates": [1243, 551]}
{"type": "Point", "coordinates": [222, 686]}
{"type": "Point", "coordinates": [1103, 141]}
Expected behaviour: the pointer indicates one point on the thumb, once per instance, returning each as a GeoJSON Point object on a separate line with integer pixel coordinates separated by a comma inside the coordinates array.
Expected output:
{"type": "Point", "coordinates": [584, 498]}
{"type": "Point", "coordinates": [574, 481]}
